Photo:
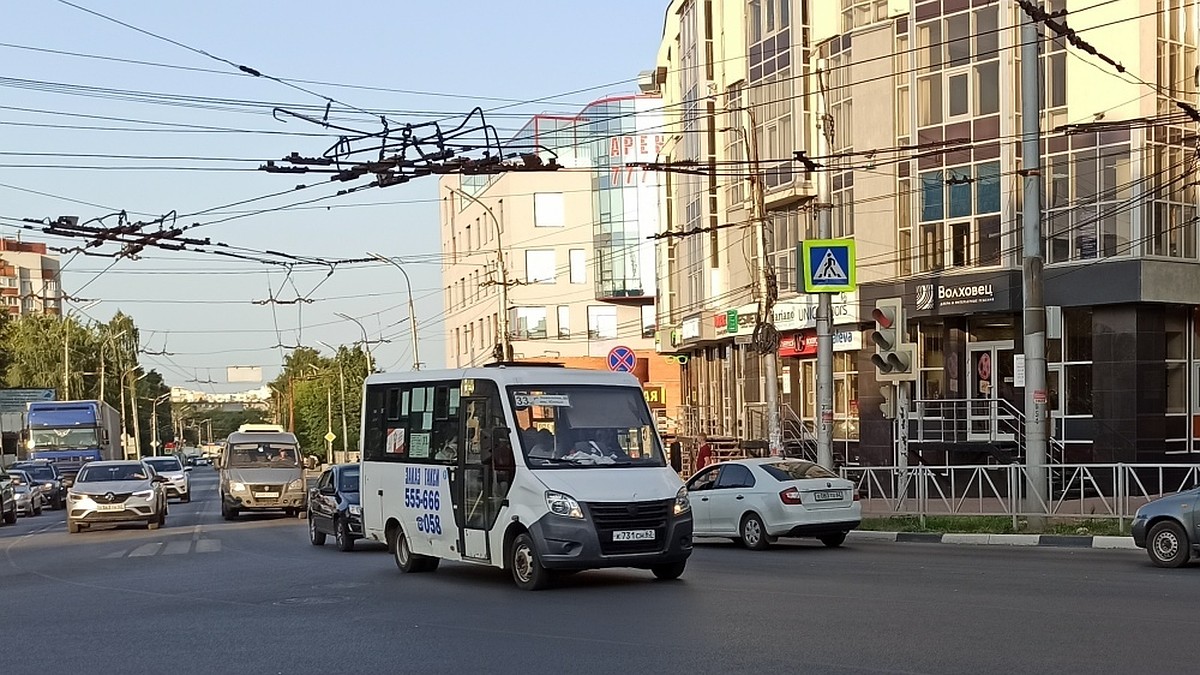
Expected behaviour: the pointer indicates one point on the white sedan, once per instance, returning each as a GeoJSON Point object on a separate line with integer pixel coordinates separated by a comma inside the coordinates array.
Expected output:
{"type": "Point", "coordinates": [755, 501]}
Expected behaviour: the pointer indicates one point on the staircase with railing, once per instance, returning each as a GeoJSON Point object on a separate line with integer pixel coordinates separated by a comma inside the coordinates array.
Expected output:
{"type": "Point", "coordinates": [991, 429]}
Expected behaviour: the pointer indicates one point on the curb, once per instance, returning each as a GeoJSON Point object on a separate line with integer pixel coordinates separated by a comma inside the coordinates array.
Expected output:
{"type": "Point", "coordinates": [1042, 540]}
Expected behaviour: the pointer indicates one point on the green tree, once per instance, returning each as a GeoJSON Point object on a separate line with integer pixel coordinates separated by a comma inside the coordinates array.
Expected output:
{"type": "Point", "coordinates": [311, 392]}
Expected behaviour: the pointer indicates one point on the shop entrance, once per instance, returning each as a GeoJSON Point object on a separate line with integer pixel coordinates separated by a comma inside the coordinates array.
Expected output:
{"type": "Point", "coordinates": [991, 406]}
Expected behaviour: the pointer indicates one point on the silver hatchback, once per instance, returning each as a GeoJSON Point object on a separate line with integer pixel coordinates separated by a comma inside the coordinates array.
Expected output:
{"type": "Point", "coordinates": [114, 492]}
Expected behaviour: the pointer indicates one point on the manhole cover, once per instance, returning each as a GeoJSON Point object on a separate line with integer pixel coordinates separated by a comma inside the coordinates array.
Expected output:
{"type": "Point", "coordinates": [312, 600]}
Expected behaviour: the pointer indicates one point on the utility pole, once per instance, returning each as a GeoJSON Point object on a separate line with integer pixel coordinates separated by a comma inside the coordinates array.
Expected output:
{"type": "Point", "coordinates": [825, 300]}
{"type": "Point", "coordinates": [766, 339]}
{"type": "Point", "coordinates": [329, 423]}
{"type": "Point", "coordinates": [412, 312]}
{"type": "Point", "coordinates": [506, 350]}
{"type": "Point", "coordinates": [366, 339]}
{"type": "Point", "coordinates": [1034, 318]}
{"type": "Point", "coordinates": [66, 359]}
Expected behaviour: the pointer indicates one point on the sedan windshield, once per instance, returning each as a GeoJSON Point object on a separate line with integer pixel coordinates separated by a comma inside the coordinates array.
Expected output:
{"type": "Point", "coordinates": [263, 456]}
{"type": "Point", "coordinates": [165, 464]}
{"type": "Point", "coordinates": [97, 474]}
{"type": "Point", "coordinates": [39, 472]}
{"type": "Point", "coordinates": [593, 426]}
{"type": "Point", "coordinates": [797, 470]}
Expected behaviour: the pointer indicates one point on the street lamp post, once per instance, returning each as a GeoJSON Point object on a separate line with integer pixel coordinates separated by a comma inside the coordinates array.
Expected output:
{"type": "Point", "coordinates": [412, 313]}
{"type": "Point", "coordinates": [154, 441]}
{"type": "Point", "coordinates": [342, 388]}
{"type": "Point", "coordinates": [505, 338]}
{"type": "Point", "coordinates": [366, 341]}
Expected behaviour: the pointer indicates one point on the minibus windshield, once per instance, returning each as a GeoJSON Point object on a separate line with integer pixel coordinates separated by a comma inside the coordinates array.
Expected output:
{"type": "Point", "coordinates": [585, 426]}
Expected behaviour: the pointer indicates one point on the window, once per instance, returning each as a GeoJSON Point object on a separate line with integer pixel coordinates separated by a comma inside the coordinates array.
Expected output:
{"type": "Point", "coordinates": [958, 88]}
{"type": "Point", "coordinates": [931, 195]}
{"type": "Point", "coordinates": [578, 266]}
{"type": "Point", "coordinates": [548, 209]}
{"type": "Point", "coordinates": [602, 323]}
{"type": "Point", "coordinates": [649, 321]}
{"type": "Point", "coordinates": [564, 322]}
{"type": "Point", "coordinates": [539, 266]}
{"type": "Point", "coordinates": [735, 476]}
{"type": "Point", "coordinates": [411, 422]}
{"type": "Point", "coordinates": [531, 322]}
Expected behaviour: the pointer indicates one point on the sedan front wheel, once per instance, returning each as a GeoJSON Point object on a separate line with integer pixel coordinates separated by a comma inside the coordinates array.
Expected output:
{"type": "Point", "coordinates": [1168, 545]}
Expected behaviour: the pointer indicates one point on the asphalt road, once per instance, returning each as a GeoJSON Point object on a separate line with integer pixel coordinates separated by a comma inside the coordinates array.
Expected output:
{"type": "Point", "coordinates": [205, 596]}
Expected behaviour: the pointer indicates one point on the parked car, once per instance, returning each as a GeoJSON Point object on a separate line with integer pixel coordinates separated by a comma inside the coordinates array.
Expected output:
{"type": "Point", "coordinates": [48, 478]}
{"type": "Point", "coordinates": [177, 483]}
{"type": "Point", "coordinates": [756, 501]}
{"type": "Point", "coordinates": [29, 495]}
{"type": "Point", "coordinates": [116, 491]}
{"type": "Point", "coordinates": [8, 499]}
{"type": "Point", "coordinates": [333, 507]}
{"type": "Point", "coordinates": [1163, 528]}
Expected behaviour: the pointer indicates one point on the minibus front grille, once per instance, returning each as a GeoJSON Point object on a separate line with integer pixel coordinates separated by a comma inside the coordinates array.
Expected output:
{"type": "Point", "coordinates": [610, 517]}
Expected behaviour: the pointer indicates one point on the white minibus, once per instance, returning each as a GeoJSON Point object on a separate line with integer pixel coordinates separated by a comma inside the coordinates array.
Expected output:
{"type": "Point", "coordinates": [540, 470]}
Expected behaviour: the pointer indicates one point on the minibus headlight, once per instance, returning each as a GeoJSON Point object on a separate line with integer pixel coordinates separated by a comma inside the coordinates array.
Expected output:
{"type": "Point", "coordinates": [563, 505]}
{"type": "Point", "coordinates": [237, 487]}
{"type": "Point", "coordinates": [682, 503]}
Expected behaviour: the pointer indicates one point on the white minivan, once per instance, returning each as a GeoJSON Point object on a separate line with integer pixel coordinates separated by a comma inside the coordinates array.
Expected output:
{"type": "Point", "coordinates": [535, 469]}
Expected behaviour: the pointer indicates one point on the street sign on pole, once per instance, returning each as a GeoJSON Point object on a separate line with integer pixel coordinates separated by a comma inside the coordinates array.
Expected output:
{"type": "Point", "coordinates": [621, 359]}
{"type": "Point", "coordinates": [330, 437]}
{"type": "Point", "coordinates": [829, 265]}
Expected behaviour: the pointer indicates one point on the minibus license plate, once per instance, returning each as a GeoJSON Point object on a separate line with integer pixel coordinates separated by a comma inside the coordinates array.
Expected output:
{"type": "Point", "coordinates": [266, 495]}
{"type": "Point", "coordinates": [828, 496]}
{"type": "Point", "coordinates": [110, 507]}
{"type": "Point", "coordinates": [633, 535]}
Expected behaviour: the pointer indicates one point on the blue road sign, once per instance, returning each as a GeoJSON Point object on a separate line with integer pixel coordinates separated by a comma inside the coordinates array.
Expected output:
{"type": "Point", "coordinates": [621, 359]}
{"type": "Point", "coordinates": [829, 265]}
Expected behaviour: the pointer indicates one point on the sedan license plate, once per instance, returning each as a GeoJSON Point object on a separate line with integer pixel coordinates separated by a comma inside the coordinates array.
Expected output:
{"type": "Point", "coordinates": [828, 496]}
{"type": "Point", "coordinates": [266, 495]}
{"type": "Point", "coordinates": [633, 535]}
{"type": "Point", "coordinates": [110, 507]}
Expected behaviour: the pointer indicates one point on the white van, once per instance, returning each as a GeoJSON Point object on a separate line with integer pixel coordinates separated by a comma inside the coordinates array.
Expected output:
{"type": "Point", "coordinates": [534, 469]}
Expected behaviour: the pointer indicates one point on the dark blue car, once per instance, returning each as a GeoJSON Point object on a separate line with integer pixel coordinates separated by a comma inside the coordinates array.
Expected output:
{"type": "Point", "coordinates": [334, 508]}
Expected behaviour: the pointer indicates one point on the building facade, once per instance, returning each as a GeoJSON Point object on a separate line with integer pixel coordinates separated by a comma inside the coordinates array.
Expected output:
{"type": "Point", "coordinates": [571, 251]}
{"type": "Point", "coordinates": [29, 280]}
{"type": "Point", "coordinates": [919, 139]}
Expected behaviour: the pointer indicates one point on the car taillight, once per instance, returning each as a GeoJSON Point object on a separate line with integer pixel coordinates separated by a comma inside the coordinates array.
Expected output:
{"type": "Point", "coordinates": [790, 496]}
{"type": "Point", "coordinates": [857, 495]}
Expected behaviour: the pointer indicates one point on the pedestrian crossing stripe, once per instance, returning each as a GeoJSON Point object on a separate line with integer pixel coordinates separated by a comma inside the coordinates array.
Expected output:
{"type": "Point", "coordinates": [830, 270]}
{"type": "Point", "coordinates": [158, 548]}
{"type": "Point", "coordinates": [828, 265]}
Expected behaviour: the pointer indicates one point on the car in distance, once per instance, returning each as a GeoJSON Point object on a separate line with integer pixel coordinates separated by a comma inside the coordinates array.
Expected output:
{"type": "Point", "coordinates": [756, 501]}
{"type": "Point", "coordinates": [49, 479]}
{"type": "Point", "coordinates": [1163, 528]}
{"type": "Point", "coordinates": [116, 491]}
{"type": "Point", "coordinates": [28, 494]}
{"type": "Point", "coordinates": [334, 507]}
{"type": "Point", "coordinates": [177, 483]}
{"type": "Point", "coordinates": [8, 499]}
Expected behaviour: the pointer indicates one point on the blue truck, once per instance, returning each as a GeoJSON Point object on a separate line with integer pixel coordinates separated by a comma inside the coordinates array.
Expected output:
{"type": "Point", "coordinates": [71, 433]}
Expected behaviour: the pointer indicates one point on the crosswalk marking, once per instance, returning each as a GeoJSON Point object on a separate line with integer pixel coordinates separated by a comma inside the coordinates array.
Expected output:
{"type": "Point", "coordinates": [208, 545]}
{"type": "Point", "coordinates": [116, 554]}
{"type": "Point", "coordinates": [177, 547]}
{"type": "Point", "coordinates": [146, 549]}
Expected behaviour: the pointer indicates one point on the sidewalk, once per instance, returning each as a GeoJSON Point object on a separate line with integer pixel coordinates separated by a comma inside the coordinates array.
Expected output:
{"type": "Point", "coordinates": [1050, 540]}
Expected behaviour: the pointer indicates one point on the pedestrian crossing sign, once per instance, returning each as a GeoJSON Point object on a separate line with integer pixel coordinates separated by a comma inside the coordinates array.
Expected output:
{"type": "Point", "coordinates": [829, 265]}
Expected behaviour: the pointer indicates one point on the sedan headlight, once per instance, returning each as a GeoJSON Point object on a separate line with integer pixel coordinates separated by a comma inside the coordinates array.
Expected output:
{"type": "Point", "coordinates": [297, 484]}
{"type": "Point", "coordinates": [563, 505]}
{"type": "Point", "coordinates": [46, 487]}
{"type": "Point", "coordinates": [682, 503]}
{"type": "Point", "coordinates": [355, 510]}
{"type": "Point", "coordinates": [75, 497]}
{"type": "Point", "coordinates": [237, 487]}
{"type": "Point", "coordinates": [144, 494]}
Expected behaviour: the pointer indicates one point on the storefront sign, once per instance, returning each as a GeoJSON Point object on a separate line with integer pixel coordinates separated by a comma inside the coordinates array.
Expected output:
{"type": "Point", "coordinates": [801, 312]}
{"type": "Point", "coordinates": [936, 294]}
{"type": "Point", "coordinates": [690, 329]}
{"type": "Point", "coordinates": [738, 321]}
{"type": "Point", "coordinates": [656, 395]}
{"type": "Point", "coordinates": [804, 343]}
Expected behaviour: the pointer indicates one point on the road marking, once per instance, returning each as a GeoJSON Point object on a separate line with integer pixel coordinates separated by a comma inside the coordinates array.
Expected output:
{"type": "Point", "coordinates": [177, 547]}
{"type": "Point", "coordinates": [208, 546]}
{"type": "Point", "coordinates": [115, 554]}
{"type": "Point", "coordinates": [146, 549]}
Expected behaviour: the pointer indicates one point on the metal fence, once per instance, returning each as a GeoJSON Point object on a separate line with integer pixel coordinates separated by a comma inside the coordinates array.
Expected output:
{"type": "Point", "coordinates": [1081, 491]}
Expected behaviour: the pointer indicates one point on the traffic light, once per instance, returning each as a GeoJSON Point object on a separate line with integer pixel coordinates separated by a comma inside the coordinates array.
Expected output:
{"type": "Point", "coordinates": [893, 356]}
{"type": "Point", "coordinates": [888, 406]}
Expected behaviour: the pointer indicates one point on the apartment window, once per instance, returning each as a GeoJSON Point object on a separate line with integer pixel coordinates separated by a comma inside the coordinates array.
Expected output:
{"type": "Point", "coordinates": [539, 266]}
{"type": "Point", "coordinates": [564, 322]}
{"type": "Point", "coordinates": [649, 321]}
{"type": "Point", "coordinates": [578, 266]}
{"type": "Point", "coordinates": [548, 209]}
{"type": "Point", "coordinates": [530, 323]}
{"type": "Point", "coordinates": [602, 323]}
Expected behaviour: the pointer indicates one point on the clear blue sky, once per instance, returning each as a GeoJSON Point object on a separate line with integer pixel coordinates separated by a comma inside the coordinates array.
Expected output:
{"type": "Point", "coordinates": [199, 307]}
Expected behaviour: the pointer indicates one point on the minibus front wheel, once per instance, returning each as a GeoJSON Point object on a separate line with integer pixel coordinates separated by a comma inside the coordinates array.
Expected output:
{"type": "Point", "coordinates": [527, 570]}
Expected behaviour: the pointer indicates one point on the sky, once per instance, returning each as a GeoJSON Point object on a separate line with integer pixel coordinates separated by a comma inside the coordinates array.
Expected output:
{"type": "Point", "coordinates": [65, 116]}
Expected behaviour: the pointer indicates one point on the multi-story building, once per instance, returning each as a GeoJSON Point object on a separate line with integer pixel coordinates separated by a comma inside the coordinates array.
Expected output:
{"type": "Point", "coordinates": [571, 251]}
{"type": "Point", "coordinates": [925, 173]}
{"type": "Point", "coordinates": [29, 281]}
